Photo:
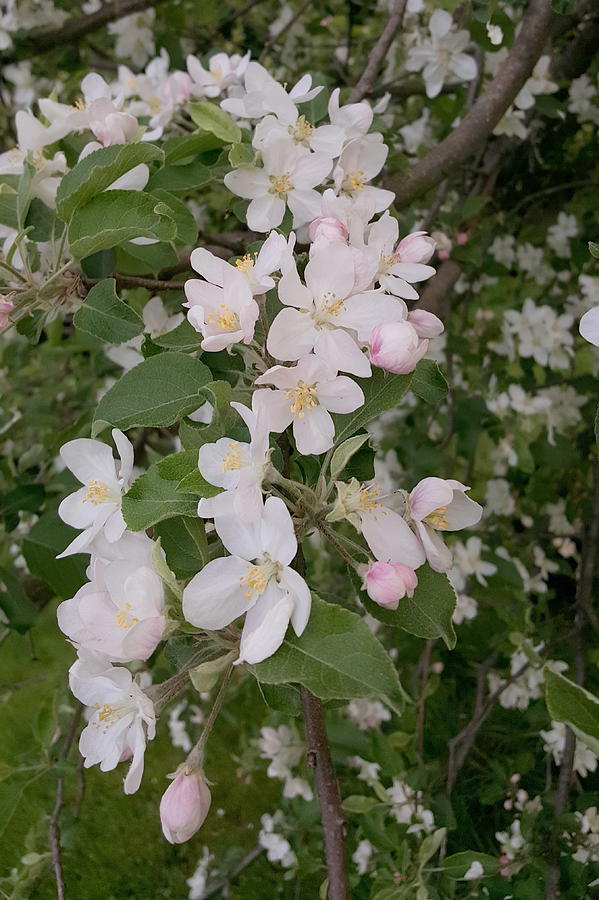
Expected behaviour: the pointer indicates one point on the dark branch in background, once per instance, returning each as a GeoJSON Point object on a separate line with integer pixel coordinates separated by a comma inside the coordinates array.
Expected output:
{"type": "Point", "coordinates": [378, 52]}
{"type": "Point", "coordinates": [576, 57]}
{"type": "Point", "coordinates": [133, 281]}
{"type": "Point", "coordinates": [584, 598]}
{"type": "Point", "coordinates": [486, 112]}
{"type": "Point", "coordinates": [43, 40]}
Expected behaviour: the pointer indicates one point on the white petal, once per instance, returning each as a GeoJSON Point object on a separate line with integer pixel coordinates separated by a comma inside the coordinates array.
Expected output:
{"type": "Point", "coordinates": [277, 533]}
{"type": "Point", "coordinates": [208, 265]}
{"type": "Point", "coordinates": [341, 395]}
{"type": "Point", "coordinates": [299, 591]}
{"type": "Point", "coordinates": [265, 626]}
{"type": "Point", "coordinates": [216, 596]}
{"type": "Point", "coordinates": [390, 538]}
{"type": "Point", "coordinates": [589, 326]}
{"type": "Point", "coordinates": [240, 538]}
{"type": "Point", "coordinates": [334, 343]}
{"type": "Point", "coordinates": [314, 432]}
{"type": "Point", "coordinates": [89, 460]}
{"type": "Point", "coordinates": [265, 212]}
{"type": "Point", "coordinates": [438, 556]}
{"type": "Point", "coordinates": [291, 335]}
{"type": "Point", "coordinates": [365, 311]}
{"type": "Point", "coordinates": [247, 183]}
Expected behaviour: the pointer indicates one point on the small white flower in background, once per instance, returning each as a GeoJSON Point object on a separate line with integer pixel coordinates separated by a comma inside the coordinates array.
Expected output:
{"type": "Point", "coordinates": [223, 315]}
{"type": "Point", "coordinates": [256, 579]}
{"type": "Point", "coordinates": [537, 331]}
{"type": "Point", "coordinates": [498, 498]}
{"type": "Point", "coordinates": [367, 713]}
{"type": "Point", "coordinates": [442, 55]}
{"type": "Point", "coordinates": [285, 750]}
{"type": "Point", "coordinates": [121, 716]}
{"type": "Point", "coordinates": [222, 73]}
{"type": "Point", "coordinates": [503, 249]}
{"type": "Point", "coordinates": [256, 269]}
{"type": "Point", "coordinates": [582, 93]}
{"type": "Point", "coordinates": [407, 808]}
{"type": "Point", "coordinates": [466, 608]}
{"type": "Point", "coordinates": [178, 729]}
{"type": "Point", "coordinates": [287, 178]}
{"type": "Point", "coordinates": [538, 83]}
{"type": "Point", "coordinates": [475, 870]}
{"type": "Point", "coordinates": [467, 558]}
{"type": "Point", "coordinates": [96, 507]}
{"type": "Point", "coordinates": [495, 34]}
{"type": "Point", "coordinates": [559, 234]}
{"type": "Point", "coordinates": [529, 684]}
{"type": "Point", "coordinates": [512, 842]}
{"type": "Point", "coordinates": [554, 739]}
{"type": "Point", "coordinates": [588, 850]}
{"type": "Point", "coordinates": [306, 395]}
{"type": "Point", "coordinates": [531, 260]}
{"type": "Point", "coordinates": [361, 856]}
{"type": "Point", "coordinates": [512, 124]}
{"type": "Point", "coordinates": [134, 37]}
{"type": "Point", "coordinates": [369, 771]}
{"type": "Point", "coordinates": [278, 849]}
{"type": "Point", "coordinates": [198, 881]}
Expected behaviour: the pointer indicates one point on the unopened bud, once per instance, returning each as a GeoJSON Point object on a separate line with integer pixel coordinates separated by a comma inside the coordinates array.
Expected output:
{"type": "Point", "coordinates": [415, 248]}
{"type": "Point", "coordinates": [184, 806]}
{"type": "Point", "coordinates": [396, 347]}
{"type": "Point", "coordinates": [427, 324]}
{"type": "Point", "coordinates": [328, 229]}
{"type": "Point", "coordinates": [388, 583]}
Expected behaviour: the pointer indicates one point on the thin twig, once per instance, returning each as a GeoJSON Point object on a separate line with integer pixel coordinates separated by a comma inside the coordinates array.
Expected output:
{"type": "Point", "coordinates": [424, 664]}
{"type": "Point", "coordinates": [286, 27]}
{"type": "Point", "coordinates": [152, 284]}
{"type": "Point", "coordinates": [379, 52]}
{"type": "Point", "coordinates": [54, 825]}
{"type": "Point", "coordinates": [223, 883]}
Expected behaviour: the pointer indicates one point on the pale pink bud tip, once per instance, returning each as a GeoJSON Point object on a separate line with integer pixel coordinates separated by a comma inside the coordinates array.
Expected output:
{"type": "Point", "coordinates": [328, 229]}
{"type": "Point", "coordinates": [184, 807]}
{"type": "Point", "coordinates": [396, 347]}
{"type": "Point", "coordinates": [415, 248]}
{"type": "Point", "coordinates": [427, 324]}
{"type": "Point", "coordinates": [462, 237]}
{"type": "Point", "coordinates": [388, 583]}
{"type": "Point", "coordinates": [6, 307]}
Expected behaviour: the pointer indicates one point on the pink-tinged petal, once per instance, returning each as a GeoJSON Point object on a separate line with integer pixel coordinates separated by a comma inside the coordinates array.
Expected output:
{"type": "Point", "coordinates": [89, 460]}
{"type": "Point", "coordinates": [462, 512]}
{"type": "Point", "coordinates": [291, 291]}
{"type": "Point", "coordinates": [390, 537]}
{"type": "Point", "coordinates": [330, 270]}
{"type": "Point", "coordinates": [275, 408]}
{"type": "Point", "coordinates": [297, 589]}
{"type": "Point", "coordinates": [143, 638]}
{"type": "Point", "coordinates": [217, 595]}
{"type": "Point", "coordinates": [265, 212]}
{"type": "Point", "coordinates": [334, 343]}
{"type": "Point", "coordinates": [304, 204]}
{"type": "Point", "coordinates": [277, 532]}
{"type": "Point", "coordinates": [398, 287]}
{"type": "Point", "coordinates": [248, 183]}
{"type": "Point", "coordinates": [412, 272]}
{"type": "Point", "coordinates": [426, 324]}
{"type": "Point", "coordinates": [208, 265]}
{"type": "Point", "coordinates": [589, 326]}
{"type": "Point", "coordinates": [363, 312]}
{"type": "Point", "coordinates": [265, 626]}
{"type": "Point", "coordinates": [438, 556]}
{"type": "Point", "coordinates": [388, 583]}
{"type": "Point", "coordinates": [314, 432]}
{"type": "Point", "coordinates": [417, 247]}
{"type": "Point", "coordinates": [428, 495]}
{"type": "Point", "coordinates": [184, 807]}
{"type": "Point", "coordinates": [291, 335]}
{"type": "Point", "coordinates": [341, 395]}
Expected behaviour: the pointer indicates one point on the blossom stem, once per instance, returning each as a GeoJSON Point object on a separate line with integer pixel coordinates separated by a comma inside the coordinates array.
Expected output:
{"type": "Point", "coordinates": [194, 759]}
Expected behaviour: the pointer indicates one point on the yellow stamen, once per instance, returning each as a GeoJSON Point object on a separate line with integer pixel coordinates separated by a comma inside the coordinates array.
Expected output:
{"type": "Point", "coordinates": [354, 181]}
{"type": "Point", "coordinates": [367, 500]}
{"type": "Point", "coordinates": [255, 580]}
{"type": "Point", "coordinates": [154, 105]}
{"type": "Point", "coordinates": [304, 396]}
{"type": "Point", "coordinates": [80, 103]}
{"type": "Point", "coordinates": [124, 619]}
{"type": "Point", "coordinates": [224, 318]}
{"type": "Point", "coordinates": [245, 264]}
{"type": "Point", "coordinates": [233, 459]}
{"type": "Point", "coordinates": [281, 184]}
{"type": "Point", "coordinates": [97, 493]}
{"type": "Point", "coordinates": [301, 131]}
{"type": "Point", "coordinates": [332, 304]}
{"type": "Point", "coordinates": [438, 519]}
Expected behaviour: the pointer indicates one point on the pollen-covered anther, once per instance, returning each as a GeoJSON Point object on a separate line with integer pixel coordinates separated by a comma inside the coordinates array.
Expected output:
{"type": "Point", "coordinates": [233, 460]}
{"type": "Point", "coordinates": [354, 181]}
{"type": "Point", "coordinates": [281, 184]}
{"type": "Point", "coordinates": [97, 492]}
{"type": "Point", "coordinates": [304, 396]}
{"type": "Point", "coordinates": [224, 318]}
{"type": "Point", "coordinates": [438, 519]}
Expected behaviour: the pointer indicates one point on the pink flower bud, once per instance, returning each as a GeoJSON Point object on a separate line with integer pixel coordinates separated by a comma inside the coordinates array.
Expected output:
{"type": "Point", "coordinates": [427, 324]}
{"type": "Point", "coordinates": [443, 254]}
{"type": "Point", "coordinates": [6, 307]}
{"type": "Point", "coordinates": [328, 229]}
{"type": "Point", "coordinates": [415, 248]}
{"type": "Point", "coordinates": [462, 238]}
{"type": "Point", "coordinates": [396, 347]}
{"type": "Point", "coordinates": [184, 806]}
{"type": "Point", "coordinates": [388, 583]}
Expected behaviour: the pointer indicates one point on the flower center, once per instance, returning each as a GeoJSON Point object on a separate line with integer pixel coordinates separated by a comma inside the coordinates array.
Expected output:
{"type": "Point", "coordinates": [258, 576]}
{"type": "Point", "coordinates": [332, 304]}
{"type": "Point", "coordinates": [281, 184]}
{"type": "Point", "coordinates": [233, 460]}
{"type": "Point", "coordinates": [367, 499]}
{"type": "Point", "coordinates": [108, 715]}
{"type": "Point", "coordinates": [224, 318]}
{"type": "Point", "coordinates": [354, 181]}
{"type": "Point", "coordinates": [245, 264]}
{"type": "Point", "coordinates": [124, 619]}
{"type": "Point", "coordinates": [304, 396]}
{"type": "Point", "coordinates": [97, 493]}
{"type": "Point", "coordinates": [438, 519]}
{"type": "Point", "coordinates": [302, 131]}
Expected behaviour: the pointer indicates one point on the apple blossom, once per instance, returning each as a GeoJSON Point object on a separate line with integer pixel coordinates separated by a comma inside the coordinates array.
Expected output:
{"type": "Point", "coordinates": [393, 271]}
{"type": "Point", "coordinates": [442, 54]}
{"type": "Point", "coordinates": [438, 504]}
{"type": "Point", "coordinates": [256, 268]}
{"type": "Point", "coordinates": [256, 579]}
{"type": "Point", "coordinates": [324, 316]}
{"type": "Point", "coordinates": [288, 177]}
{"type": "Point", "coordinates": [425, 323]}
{"type": "Point", "coordinates": [263, 95]}
{"type": "Point", "coordinates": [119, 613]}
{"type": "Point", "coordinates": [386, 532]}
{"type": "Point", "coordinates": [121, 719]}
{"type": "Point", "coordinates": [386, 583]}
{"type": "Point", "coordinates": [354, 118]}
{"type": "Point", "coordinates": [361, 160]}
{"type": "Point", "coordinates": [224, 315]}
{"type": "Point", "coordinates": [223, 71]}
{"type": "Point", "coordinates": [96, 507]}
{"type": "Point", "coordinates": [327, 228]}
{"type": "Point", "coordinates": [396, 347]}
{"type": "Point", "coordinates": [305, 396]}
{"type": "Point", "coordinates": [297, 131]}
{"type": "Point", "coordinates": [184, 806]}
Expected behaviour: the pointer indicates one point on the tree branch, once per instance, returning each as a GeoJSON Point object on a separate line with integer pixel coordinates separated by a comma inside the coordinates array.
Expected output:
{"type": "Point", "coordinates": [379, 51]}
{"type": "Point", "coordinates": [486, 112]}
{"type": "Point", "coordinates": [43, 40]}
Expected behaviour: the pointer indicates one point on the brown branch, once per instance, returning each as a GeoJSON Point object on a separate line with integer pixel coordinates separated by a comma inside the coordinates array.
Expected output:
{"type": "Point", "coordinates": [54, 824]}
{"type": "Point", "coordinates": [490, 107]}
{"type": "Point", "coordinates": [439, 286]}
{"type": "Point", "coordinates": [133, 281]}
{"type": "Point", "coordinates": [319, 759]}
{"type": "Point", "coordinates": [378, 52]}
{"type": "Point", "coordinates": [579, 54]}
{"type": "Point", "coordinates": [424, 664]}
{"type": "Point", "coordinates": [43, 40]}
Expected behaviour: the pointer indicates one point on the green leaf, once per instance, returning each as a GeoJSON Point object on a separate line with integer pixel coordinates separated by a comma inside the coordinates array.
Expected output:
{"type": "Point", "coordinates": [578, 708]}
{"type": "Point", "coordinates": [156, 393]}
{"type": "Point", "coordinates": [473, 205]}
{"type": "Point", "coordinates": [187, 229]}
{"type": "Point", "coordinates": [242, 155]}
{"type": "Point", "coordinates": [10, 797]}
{"type": "Point", "coordinates": [382, 391]}
{"type": "Point", "coordinates": [40, 220]}
{"type": "Point", "coordinates": [205, 676]}
{"type": "Point", "coordinates": [183, 337]}
{"type": "Point", "coordinates": [430, 845]}
{"type": "Point", "coordinates": [27, 497]}
{"type": "Point", "coordinates": [358, 804]}
{"type": "Point", "coordinates": [428, 614]}
{"type": "Point", "coordinates": [337, 657]}
{"type": "Point", "coordinates": [98, 171]}
{"type": "Point", "coordinates": [594, 249]}
{"type": "Point", "coordinates": [283, 698]}
{"type": "Point", "coordinates": [104, 315]}
{"type": "Point", "coordinates": [428, 382]}
{"type": "Point", "coordinates": [189, 147]}
{"type": "Point", "coordinates": [184, 543]}
{"type": "Point", "coordinates": [211, 118]}
{"type": "Point", "coordinates": [181, 178]}
{"type": "Point", "coordinates": [15, 602]}
{"type": "Point", "coordinates": [8, 208]}
{"type": "Point", "coordinates": [117, 216]}
{"type": "Point", "coordinates": [225, 421]}
{"type": "Point", "coordinates": [458, 864]}
{"type": "Point", "coordinates": [48, 537]}
{"type": "Point", "coordinates": [155, 495]}
{"type": "Point", "coordinates": [344, 453]}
